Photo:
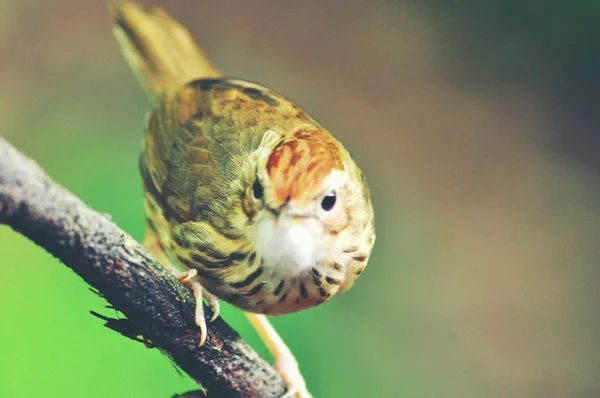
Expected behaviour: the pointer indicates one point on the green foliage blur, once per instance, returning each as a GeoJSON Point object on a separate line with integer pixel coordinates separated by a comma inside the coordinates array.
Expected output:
{"type": "Point", "coordinates": [476, 125]}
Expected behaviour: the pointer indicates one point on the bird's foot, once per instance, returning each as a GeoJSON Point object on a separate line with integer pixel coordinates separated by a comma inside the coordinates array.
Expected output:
{"type": "Point", "coordinates": [188, 279]}
{"type": "Point", "coordinates": [287, 367]}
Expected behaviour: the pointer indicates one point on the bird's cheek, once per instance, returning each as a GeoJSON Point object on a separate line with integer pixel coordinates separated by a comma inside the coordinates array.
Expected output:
{"type": "Point", "coordinates": [335, 222]}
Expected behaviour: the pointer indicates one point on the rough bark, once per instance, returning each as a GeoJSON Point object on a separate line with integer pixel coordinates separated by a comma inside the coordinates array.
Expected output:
{"type": "Point", "coordinates": [156, 304]}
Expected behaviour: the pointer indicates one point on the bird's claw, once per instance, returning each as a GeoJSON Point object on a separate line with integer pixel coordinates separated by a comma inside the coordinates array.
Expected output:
{"type": "Point", "coordinates": [288, 368]}
{"type": "Point", "coordinates": [187, 278]}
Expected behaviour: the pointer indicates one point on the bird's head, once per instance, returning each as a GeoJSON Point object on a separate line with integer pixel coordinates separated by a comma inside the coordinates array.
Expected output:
{"type": "Point", "coordinates": [310, 203]}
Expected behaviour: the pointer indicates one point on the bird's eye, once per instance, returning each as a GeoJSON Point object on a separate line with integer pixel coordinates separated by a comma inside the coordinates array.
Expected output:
{"type": "Point", "coordinates": [328, 201]}
{"type": "Point", "coordinates": [257, 189]}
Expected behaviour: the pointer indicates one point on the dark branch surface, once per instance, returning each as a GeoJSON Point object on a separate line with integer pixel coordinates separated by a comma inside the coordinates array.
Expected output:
{"type": "Point", "coordinates": [156, 303]}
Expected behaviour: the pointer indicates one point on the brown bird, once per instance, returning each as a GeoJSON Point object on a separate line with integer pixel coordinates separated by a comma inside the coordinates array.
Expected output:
{"type": "Point", "coordinates": [261, 205]}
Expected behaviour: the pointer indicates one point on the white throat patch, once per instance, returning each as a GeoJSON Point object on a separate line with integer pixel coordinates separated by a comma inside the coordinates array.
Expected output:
{"type": "Point", "coordinates": [289, 247]}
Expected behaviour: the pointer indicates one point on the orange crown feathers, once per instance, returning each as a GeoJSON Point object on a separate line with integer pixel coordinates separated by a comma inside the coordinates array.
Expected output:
{"type": "Point", "coordinates": [298, 165]}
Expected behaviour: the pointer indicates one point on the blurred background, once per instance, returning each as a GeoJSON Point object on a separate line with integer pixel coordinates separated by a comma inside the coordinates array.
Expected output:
{"type": "Point", "coordinates": [476, 124]}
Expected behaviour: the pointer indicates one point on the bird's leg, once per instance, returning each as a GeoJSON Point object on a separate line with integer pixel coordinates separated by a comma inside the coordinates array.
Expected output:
{"type": "Point", "coordinates": [154, 246]}
{"type": "Point", "coordinates": [285, 363]}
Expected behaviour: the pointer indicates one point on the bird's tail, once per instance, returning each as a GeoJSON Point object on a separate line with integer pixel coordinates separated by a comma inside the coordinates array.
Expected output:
{"type": "Point", "coordinates": [160, 51]}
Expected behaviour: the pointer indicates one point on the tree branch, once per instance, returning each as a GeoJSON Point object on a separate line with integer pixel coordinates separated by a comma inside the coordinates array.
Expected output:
{"type": "Point", "coordinates": [158, 306]}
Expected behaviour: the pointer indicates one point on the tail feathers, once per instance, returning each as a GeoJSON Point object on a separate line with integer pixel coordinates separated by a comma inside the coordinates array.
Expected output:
{"type": "Point", "coordinates": [160, 51]}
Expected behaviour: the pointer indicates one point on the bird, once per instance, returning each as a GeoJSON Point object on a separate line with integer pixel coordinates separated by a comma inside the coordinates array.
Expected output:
{"type": "Point", "coordinates": [259, 204]}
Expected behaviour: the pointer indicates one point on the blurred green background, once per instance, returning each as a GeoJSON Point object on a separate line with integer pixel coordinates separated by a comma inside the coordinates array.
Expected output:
{"type": "Point", "coordinates": [476, 124]}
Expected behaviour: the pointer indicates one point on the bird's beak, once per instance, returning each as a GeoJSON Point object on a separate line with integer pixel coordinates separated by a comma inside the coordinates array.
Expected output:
{"type": "Point", "coordinates": [286, 219]}
{"type": "Point", "coordinates": [295, 219]}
